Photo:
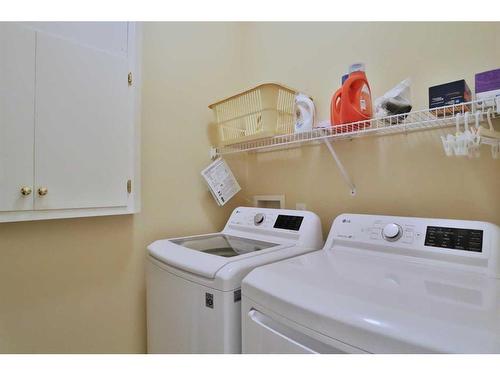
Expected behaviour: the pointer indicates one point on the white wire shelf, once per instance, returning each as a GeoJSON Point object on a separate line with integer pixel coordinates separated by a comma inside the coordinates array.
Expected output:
{"type": "Point", "coordinates": [441, 117]}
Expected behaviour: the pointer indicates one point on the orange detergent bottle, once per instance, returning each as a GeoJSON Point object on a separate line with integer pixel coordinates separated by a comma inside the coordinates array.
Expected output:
{"type": "Point", "coordinates": [352, 102]}
{"type": "Point", "coordinates": [336, 118]}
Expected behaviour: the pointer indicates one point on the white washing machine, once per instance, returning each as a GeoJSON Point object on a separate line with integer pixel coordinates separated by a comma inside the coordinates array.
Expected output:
{"type": "Point", "coordinates": [381, 284]}
{"type": "Point", "coordinates": [193, 283]}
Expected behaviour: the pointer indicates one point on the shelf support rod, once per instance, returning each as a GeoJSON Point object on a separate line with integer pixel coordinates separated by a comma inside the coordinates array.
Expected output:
{"type": "Point", "coordinates": [346, 177]}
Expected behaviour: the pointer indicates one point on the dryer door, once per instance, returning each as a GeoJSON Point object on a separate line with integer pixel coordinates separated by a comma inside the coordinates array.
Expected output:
{"type": "Point", "coordinates": [265, 332]}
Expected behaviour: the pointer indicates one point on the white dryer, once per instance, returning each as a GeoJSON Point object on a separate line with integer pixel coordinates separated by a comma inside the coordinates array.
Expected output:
{"type": "Point", "coordinates": [381, 284]}
{"type": "Point", "coordinates": [193, 283]}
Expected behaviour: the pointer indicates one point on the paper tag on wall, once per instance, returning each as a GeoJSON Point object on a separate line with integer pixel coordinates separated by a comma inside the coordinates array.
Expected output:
{"type": "Point", "coordinates": [220, 181]}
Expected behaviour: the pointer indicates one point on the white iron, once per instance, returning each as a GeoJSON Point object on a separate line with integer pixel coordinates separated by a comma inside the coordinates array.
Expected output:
{"type": "Point", "coordinates": [304, 113]}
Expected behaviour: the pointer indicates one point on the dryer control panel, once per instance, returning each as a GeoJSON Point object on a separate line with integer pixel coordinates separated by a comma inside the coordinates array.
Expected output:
{"type": "Point", "coordinates": [454, 238]}
{"type": "Point", "coordinates": [473, 244]}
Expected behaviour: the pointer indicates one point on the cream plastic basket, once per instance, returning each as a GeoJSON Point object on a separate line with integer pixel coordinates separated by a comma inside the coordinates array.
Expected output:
{"type": "Point", "coordinates": [261, 112]}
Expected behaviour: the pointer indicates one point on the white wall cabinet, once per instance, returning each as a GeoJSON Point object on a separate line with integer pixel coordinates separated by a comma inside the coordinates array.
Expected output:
{"type": "Point", "coordinates": [17, 103]}
{"type": "Point", "coordinates": [68, 120]}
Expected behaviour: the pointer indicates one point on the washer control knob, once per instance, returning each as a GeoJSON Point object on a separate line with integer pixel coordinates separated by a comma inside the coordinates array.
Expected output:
{"type": "Point", "coordinates": [258, 219]}
{"type": "Point", "coordinates": [392, 232]}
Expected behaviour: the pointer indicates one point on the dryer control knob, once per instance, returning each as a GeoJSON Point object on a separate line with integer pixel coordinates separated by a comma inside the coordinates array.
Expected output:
{"type": "Point", "coordinates": [392, 232]}
{"type": "Point", "coordinates": [258, 219]}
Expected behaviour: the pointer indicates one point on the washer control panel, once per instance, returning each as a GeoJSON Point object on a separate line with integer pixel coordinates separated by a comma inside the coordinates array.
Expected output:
{"type": "Point", "coordinates": [268, 219]}
{"type": "Point", "coordinates": [276, 225]}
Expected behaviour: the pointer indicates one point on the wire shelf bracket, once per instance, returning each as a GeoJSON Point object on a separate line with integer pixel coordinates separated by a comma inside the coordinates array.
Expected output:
{"type": "Point", "coordinates": [342, 170]}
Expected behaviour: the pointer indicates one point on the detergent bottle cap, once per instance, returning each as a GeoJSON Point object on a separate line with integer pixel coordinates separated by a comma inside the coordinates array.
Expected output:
{"type": "Point", "coordinates": [357, 67]}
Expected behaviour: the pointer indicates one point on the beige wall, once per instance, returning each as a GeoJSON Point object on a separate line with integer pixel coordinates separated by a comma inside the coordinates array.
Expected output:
{"type": "Point", "coordinates": [78, 285]}
{"type": "Point", "coordinates": [399, 175]}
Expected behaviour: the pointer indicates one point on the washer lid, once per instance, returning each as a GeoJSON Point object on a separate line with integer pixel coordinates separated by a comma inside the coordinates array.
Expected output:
{"type": "Point", "coordinates": [205, 255]}
{"type": "Point", "coordinates": [380, 304]}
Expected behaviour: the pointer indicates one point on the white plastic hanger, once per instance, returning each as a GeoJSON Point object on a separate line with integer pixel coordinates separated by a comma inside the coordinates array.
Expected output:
{"type": "Point", "coordinates": [472, 136]}
{"type": "Point", "coordinates": [461, 140]}
{"type": "Point", "coordinates": [489, 132]}
{"type": "Point", "coordinates": [489, 136]}
{"type": "Point", "coordinates": [479, 118]}
{"type": "Point", "coordinates": [495, 150]}
{"type": "Point", "coordinates": [449, 140]}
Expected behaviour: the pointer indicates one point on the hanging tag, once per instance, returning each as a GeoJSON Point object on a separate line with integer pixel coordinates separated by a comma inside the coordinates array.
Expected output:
{"type": "Point", "coordinates": [220, 181]}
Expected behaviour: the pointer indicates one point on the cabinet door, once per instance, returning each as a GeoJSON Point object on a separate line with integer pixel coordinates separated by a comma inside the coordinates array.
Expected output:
{"type": "Point", "coordinates": [82, 125]}
{"type": "Point", "coordinates": [17, 96]}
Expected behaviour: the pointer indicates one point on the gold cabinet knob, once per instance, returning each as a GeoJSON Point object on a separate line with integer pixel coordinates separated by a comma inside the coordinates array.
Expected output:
{"type": "Point", "coordinates": [26, 190]}
{"type": "Point", "coordinates": [42, 191]}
